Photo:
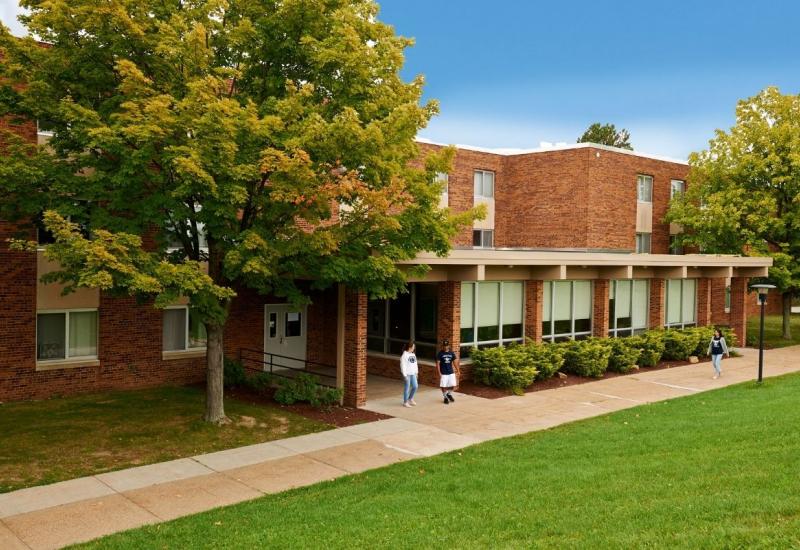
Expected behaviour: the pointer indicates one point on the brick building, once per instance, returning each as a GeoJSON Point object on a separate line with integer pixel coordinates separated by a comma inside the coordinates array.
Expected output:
{"type": "Point", "coordinates": [573, 245]}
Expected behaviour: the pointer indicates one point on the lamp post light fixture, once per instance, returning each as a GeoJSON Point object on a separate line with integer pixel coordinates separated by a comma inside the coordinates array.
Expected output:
{"type": "Point", "coordinates": [762, 290]}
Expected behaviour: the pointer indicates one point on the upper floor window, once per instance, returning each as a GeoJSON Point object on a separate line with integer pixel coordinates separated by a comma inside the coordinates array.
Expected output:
{"type": "Point", "coordinates": [444, 179]}
{"type": "Point", "coordinates": [644, 186]}
{"type": "Point", "coordinates": [482, 238]}
{"type": "Point", "coordinates": [674, 246]}
{"type": "Point", "coordinates": [677, 187]}
{"type": "Point", "coordinates": [62, 335]}
{"type": "Point", "coordinates": [484, 184]}
{"type": "Point", "coordinates": [182, 330]}
{"type": "Point", "coordinates": [643, 243]}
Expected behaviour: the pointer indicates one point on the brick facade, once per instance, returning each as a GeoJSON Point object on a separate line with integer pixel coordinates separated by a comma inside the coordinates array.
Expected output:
{"type": "Point", "coordinates": [534, 295]}
{"type": "Point", "coordinates": [657, 303]}
{"type": "Point", "coordinates": [355, 349]}
{"type": "Point", "coordinates": [600, 308]}
{"type": "Point", "coordinates": [704, 292]}
{"type": "Point", "coordinates": [738, 315]}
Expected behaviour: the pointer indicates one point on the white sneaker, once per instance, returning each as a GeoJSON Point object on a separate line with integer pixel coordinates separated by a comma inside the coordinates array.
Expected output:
{"type": "Point", "coordinates": [407, 404]}
{"type": "Point", "coordinates": [715, 377]}
{"type": "Point", "coordinates": [413, 403]}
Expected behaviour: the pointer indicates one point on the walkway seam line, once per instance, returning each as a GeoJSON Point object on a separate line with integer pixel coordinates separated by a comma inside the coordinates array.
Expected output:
{"type": "Point", "coordinates": [672, 386]}
{"type": "Point", "coordinates": [10, 530]}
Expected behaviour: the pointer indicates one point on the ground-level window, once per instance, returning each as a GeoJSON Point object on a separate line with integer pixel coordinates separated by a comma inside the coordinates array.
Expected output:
{"type": "Point", "coordinates": [728, 296]}
{"type": "Point", "coordinates": [628, 306]}
{"type": "Point", "coordinates": [410, 316]}
{"type": "Point", "coordinates": [182, 329]}
{"type": "Point", "coordinates": [482, 238]}
{"type": "Point", "coordinates": [491, 314]}
{"type": "Point", "coordinates": [680, 302]}
{"type": "Point", "coordinates": [643, 243]}
{"type": "Point", "coordinates": [566, 310]}
{"type": "Point", "coordinates": [62, 335]}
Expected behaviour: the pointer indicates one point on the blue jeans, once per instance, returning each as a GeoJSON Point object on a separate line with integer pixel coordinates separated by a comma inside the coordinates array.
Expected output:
{"type": "Point", "coordinates": [410, 387]}
{"type": "Point", "coordinates": [716, 360]}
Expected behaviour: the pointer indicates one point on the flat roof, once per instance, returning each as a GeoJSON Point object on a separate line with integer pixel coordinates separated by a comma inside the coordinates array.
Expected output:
{"type": "Point", "coordinates": [513, 151]}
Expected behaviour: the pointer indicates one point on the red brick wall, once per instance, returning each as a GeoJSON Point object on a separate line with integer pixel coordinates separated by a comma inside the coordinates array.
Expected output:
{"type": "Point", "coordinates": [449, 314]}
{"type": "Point", "coordinates": [534, 297]}
{"type": "Point", "coordinates": [738, 315]}
{"type": "Point", "coordinates": [704, 286]}
{"type": "Point", "coordinates": [657, 303]}
{"type": "Point", "coordinates": [600, 308]}
{"type": "Point", "coordinates": [355, 349]}
{"type": "Point", "coordinates": [718, 314]}
{"type": "Point", "coordinates": [322, 319]}
{"type": "Point", "coordinates": [428, 373]}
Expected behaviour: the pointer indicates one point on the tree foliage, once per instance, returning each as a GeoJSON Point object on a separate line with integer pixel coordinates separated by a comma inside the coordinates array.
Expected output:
{"type": "Point", "coordinates": [744, 190]}
{"type": "Point", "coordinates": [607, 134]}
{"type": "Point", "coordinates": [217, 144]}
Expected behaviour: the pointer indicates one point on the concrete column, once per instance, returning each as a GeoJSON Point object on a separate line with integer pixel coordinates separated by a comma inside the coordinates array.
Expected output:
{"type": "Point", "coordinates": [657, 303]}
{"type": "Point", "coordinates": [355, 348]}
{"type": "Point", "coordinates": [448, 324]}
{"type": "Point", "coordinates": [703, 301]}
{"type": "Point", "coordinates": [738, 316]}
{"type": "Point", "coordinates": [534, 291]}
{"type": "Point", "coordinates": [600, 308]}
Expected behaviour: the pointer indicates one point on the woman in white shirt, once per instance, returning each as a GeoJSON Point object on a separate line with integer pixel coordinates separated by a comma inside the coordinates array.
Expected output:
{"type": "Point", "coordinates": [409, 370]}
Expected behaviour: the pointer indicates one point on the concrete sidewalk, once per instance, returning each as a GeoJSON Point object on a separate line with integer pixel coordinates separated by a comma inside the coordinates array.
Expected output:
{"type": "Point", "coordinates": [64, 513]}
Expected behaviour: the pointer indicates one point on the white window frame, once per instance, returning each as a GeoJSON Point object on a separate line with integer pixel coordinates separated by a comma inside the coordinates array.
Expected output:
{"type": "Point", "coordinates": [672, 188]}
{"type": "Point", "coordinates": [681, 323]}
{"type": "Point", "coordinates": [185, 333]}
{"type": "Point", "coordinates": [500, 341]}
{"type": "Point", "coordinates": [613, 331]}
{"type": "Point", "coordinates": [483, 239]}
{"type": "Point", "coordinates": [640, 239]}
{"type": "Point", "coordinates": [640, 179]}
{"type": "Point", "coordinates": [572, 335]}
{"type": "Point", "coordinates": [484, 173]}
{"type": "Point", "coordinates": [67, 356]}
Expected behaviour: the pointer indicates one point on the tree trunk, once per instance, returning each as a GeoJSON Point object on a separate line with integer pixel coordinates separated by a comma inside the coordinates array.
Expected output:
{"type": "Point", "coordinates": [787, 315]}
{"type": "Point", "coordinates": [215, 406]}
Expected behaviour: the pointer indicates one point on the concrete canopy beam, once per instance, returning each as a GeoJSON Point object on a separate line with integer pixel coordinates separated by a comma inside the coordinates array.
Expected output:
{"type": "Point", "coordinates": [548, 273]}
{"type": "Point", "coordinates": [671, 272]}
{"type": "Point", "coordinates": [466, 273]}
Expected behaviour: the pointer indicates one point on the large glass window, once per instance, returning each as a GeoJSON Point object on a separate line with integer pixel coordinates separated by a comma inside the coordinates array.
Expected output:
{"type": "Point", "coordinates": [182, 329]}
{"type": "Point", "coordinates": [66, 335]}
{"type": "Point", "coordinates": [484, 184]}
{"type": "Point", "coordinates": [567, 310]}
{"type": "Point", "coordinates": [643, 243]}
{"type": "Point", "coordinates": [628, 307]}
{"type": "Point", "coordinates": [410, 316]}
{"type": "Point", "coordinates": [495, 309]}
{"type": "Point", "coordinates": [680, 300]}
{"type": "Point", "coordinates": [644, 187]}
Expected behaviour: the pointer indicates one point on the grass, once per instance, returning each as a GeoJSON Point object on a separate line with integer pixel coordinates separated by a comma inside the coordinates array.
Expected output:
{"type": "Point", "coordinates": [714, 470]}
{"type": "Point", "coordinates": [773, 331]}
{"type": "Point", "coordinates": [58, 439]}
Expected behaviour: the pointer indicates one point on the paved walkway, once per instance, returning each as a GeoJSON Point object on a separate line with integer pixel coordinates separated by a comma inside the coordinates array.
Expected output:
{"type": "Point", "coordinates": [56, 515]}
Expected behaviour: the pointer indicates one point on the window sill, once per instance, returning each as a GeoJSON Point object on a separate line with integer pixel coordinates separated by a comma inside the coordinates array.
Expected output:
{"type": "Point", "coordinates": [66, 364]}
{"type": "Point", "coordinates": [183, 354]}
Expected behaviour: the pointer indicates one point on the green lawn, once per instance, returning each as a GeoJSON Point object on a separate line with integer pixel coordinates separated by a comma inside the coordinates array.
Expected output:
{"type": "Point", "coordinates": [715, 470]}
{"type": "Point", "coordinates": [58, 439]}
{"type": "Point", "coordinates": [773, 331]}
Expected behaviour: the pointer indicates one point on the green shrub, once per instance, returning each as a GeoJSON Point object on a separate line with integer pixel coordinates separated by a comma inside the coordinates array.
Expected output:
{"type": "Point", "coordinates": [624, 354]}
{"type": "Point", "coordinates": [679, 344]}
{"type": "Point", "coordinates": [547, 359]}
{"type": "Point", "coordinates": [651, 347]}
{"type": "Point", "coordinates": [233, 374]}
{"type": "Point", "coordinates": [260, 381]}
{"type": "Point", "coordinates": [304, 388]}
{"type": "Point", "coordinates": [511, 367]}
{"type": "Point", "coordinates": [704, 335]}
{"type": "Point", "coordinates": [585, 357]}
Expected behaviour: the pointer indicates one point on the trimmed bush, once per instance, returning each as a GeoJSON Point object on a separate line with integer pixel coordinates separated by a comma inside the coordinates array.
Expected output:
{"type": "Point", "coordinates": [260, 381]}
{"type": "Point", "coordinates": [624, 354]}
{"type": "Point", "coordinates": [679, 344]}
{"type": "Point", "coordinates": [547, 359]}
{"type": "Point", "coordinates": [305, 388]}
{"type": "Point", "coordinates": [651, 347]}
{"type": "Point", "coordinates": [511, 367]}
{"type": "Point", "coordinates": [704, 335]}
{"type": "Point", "coordinates": [585, 357]}
{"type": "Point", "coordinates": [233, 373]}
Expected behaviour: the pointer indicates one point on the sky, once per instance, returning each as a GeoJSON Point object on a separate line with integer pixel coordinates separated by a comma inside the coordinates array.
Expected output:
{"type": "Point", "coordinates": [515, 73]}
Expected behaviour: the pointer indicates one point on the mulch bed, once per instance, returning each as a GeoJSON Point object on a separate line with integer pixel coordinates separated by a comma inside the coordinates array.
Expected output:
{"type": "Point", "coordinates": [487, 392]}
{"type": "Point", "coordinates": [340, 417]}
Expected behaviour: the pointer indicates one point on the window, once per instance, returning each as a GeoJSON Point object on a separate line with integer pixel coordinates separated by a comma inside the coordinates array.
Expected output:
{"type": "Point", "coordinates": [444, 180]}
{"type": "Point", "coordinates": [483, 238]}
{"type": "Point", "coordinates": [410, 316]}
{"type": "Point", "coordinates": [674, 247]}
{"type": "Point", "coordinates": [484, 184]}
{"type": "Point", "coordinates": [45, 127]}
{"type": "Point", "coordinates": [628, 307]}
{"type": "Point", "coordinates": [676, 188]}
{"type": "Point", "coordinates": [62, 335]}
{"type": "Point", "coordinates": [680, 301]}
{"type": "Point", "coordinates": [728, 297]}
{"type": "Point", "coordinates": [491, 314]}
{"type": "Point", "coordinates": [644, 185]}
{"type": "Point", "coordinates": [566, 310]}
{"type": "Point", "coordinates": [182, 330]}
{"type": "Point", "coordinates": [643, 243]}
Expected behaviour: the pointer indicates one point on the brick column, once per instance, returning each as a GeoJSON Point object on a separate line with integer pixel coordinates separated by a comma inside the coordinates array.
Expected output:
{"type": "Point", "coordinates": [738, 316]}
{"type": "Point", "coordinates": [657, 303]}
{"type": "Point", "coordinates": [355, 349]}
{"type": "Point", "coordinates": [534, 292]}
{"type": "Point", "coordinates": [703, 301]}
{"type": "Point", "coordinates": [448, 324]}
{"type": "Point", "coordinates": [600, 308]}
{"type": "Point", "coordinates": [718, 314]}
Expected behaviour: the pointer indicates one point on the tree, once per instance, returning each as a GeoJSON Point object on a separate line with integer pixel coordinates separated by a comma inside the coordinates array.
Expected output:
{"type": "Point", "coordinates": [244, 123]}
{"type": "Point", "coordinates": [744, 191]}
{"type": "Point", "coordinates": [607, 134]}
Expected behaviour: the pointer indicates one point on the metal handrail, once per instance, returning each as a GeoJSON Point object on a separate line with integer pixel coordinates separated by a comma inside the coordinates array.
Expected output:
{"type": "Point", "coordinates": [272, 364]}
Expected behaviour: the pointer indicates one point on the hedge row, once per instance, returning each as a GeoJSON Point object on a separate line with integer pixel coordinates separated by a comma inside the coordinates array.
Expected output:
{"type": "Point", "coordinates": [517, 366]}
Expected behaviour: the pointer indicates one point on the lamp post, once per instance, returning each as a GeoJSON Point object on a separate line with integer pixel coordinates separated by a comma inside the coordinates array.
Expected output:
{"type": "Point", "coordinates": [762, 289]}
